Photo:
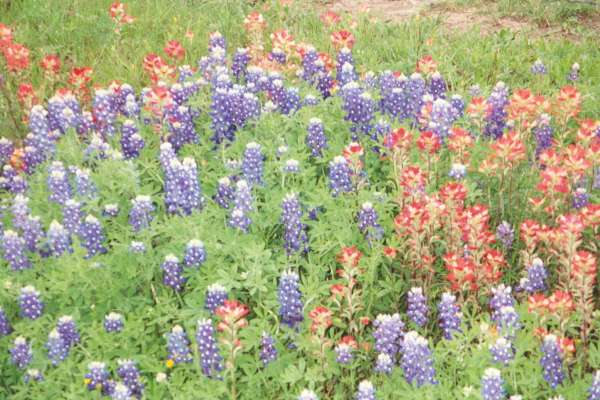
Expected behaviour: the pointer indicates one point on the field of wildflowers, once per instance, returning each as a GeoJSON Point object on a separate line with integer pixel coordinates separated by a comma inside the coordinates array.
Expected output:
{"type": "Point", "coordinates": [261, 201]}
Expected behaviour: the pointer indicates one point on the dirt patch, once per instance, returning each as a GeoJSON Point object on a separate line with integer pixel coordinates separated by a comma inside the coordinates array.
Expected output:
{"type": "Point", "coordinates": [457, 18]}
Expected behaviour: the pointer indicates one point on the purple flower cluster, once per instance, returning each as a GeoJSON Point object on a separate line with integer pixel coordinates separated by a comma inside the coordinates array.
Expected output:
{"type": "Point", "coordinates": [417, 360]}
{"type": "Point", "coordinates": [384, 364]}
{"type": "Point", "coordinates": [225, 193]}
{"type": "Point", "coordinates": [183, 193]}
{"type": "Point", "coordinates": [243, 205]}
{"type": "Point", "coordinates": [538, 68]}
{"type": "Point", "coordinates": [501, 297]}
{"type": "Point", "coordinates": [68, 330]}
{"type": "Point", "coordinates": [84, 185]}
{"type": "Point", "coordinates": [211, 360]}
{"type": "Point", "coordinates": [366, 391]}
{"type": "Point", "coordinates": [173, 273]}
{"type": "Point", "coordinates": [72, 217]}
{"type": "Point", "coordinates": [113, 322]}
{"type": "Point", "coordinates": [216, 295]}
{"type": "Point", "coordinates": [130, 375]}
{"type": "Point", "coordinates": [449, 315]}
{"type": "Point", "coordinates": [58, 183]}
{"type": "Point", "coordinates": [492, 385]}
{"type": "Point", "coordinates": [505, 234]}
{"type": "Point", "coordinates": [178, 346]}
{"type": "Point", "coordinates": [340, 176]}
{"type": "Point", "coordinates": [502, 351]}
{"type": "Point", "coordinates": [195, 254]}
{"type": "Point", "coordinates": [5, 326]}
{"type": "Point", "coordinates": [367, 223]}
{"type": "Point", "coordinates": [180, 123]}
{"type": "Point", "coordinates": [252, 164]}
{"type": "Point", "coordinates": [552, 362]}
{"type": "Point", "coordinates": [268, 352]}
{"type": "Point", "coordinates": [316, 139]}
{"type": "Point", "coordinates": [132, 142]}
{"type": "Point", "coordinates": [58, 350]}
{"type": "Point", "coordinates": [231, 108]}
{"type": "Point", "coordinates": [594, 390]}
{"type": "Point", "coordinates": [437, 86]}
{"type": "Point", "coordinates": [290, 300]}
{"type": "Point", "coordinates": [239, 63]}
{"type": "Point", "coordinates": [14, 251]}
{"type": "Point", "coordinates": [417, 306]}
{"type": "Point", "coordinates": [92, 236]}
{"type": "Point", "coordinates": [21, 353]}
{"type": "Point", "coordinates": [359, 107]}
{"type": "Point", "coordinates": [295, 237]}
{"type": "Point", "coordinates": [496, 118]}
{"type": "Point", "coordinates": [458, 171]}
{"type": "Point", "coordinates": [536, 277]}
{"type": "Point", "coordinates": [388, 334]}
{"type": "Point", "coordinates": [344, 353]}
{"type": "Point", "coordinates": [543, 133]}
{"type": "Point", "coordinates": [30, 303]}
{"type": "Point", "coordinates": [58, 239]}
{"type": "Point", "coordinates": [140, 214]}
{"type": "Point", "coordinates": [581, 198]}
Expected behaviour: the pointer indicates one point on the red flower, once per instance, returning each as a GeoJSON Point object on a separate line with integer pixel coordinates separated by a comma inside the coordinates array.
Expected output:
{"type": "Point", "coordinates": [6, 36]}
{"type": "Point", "coordinates": [584, 266]}
{"type": "Point", "coordinates": [429, 142]}
{"type": "Point", "coordinates": [341, 39]}
{"type": "Point", "coordinates": [478, 107]}
{"type": "Point", "coordinates": [337, 289]}
{"type": "Point", "coordinates": [330, 18]}
{"type": "Point", "coordinates": [321, 318]}
{"type": "Point", "coordinates": [398, 139]}
{"type": "Point", "coordinates": [231, 313]}
{"type": "Point", "coordinates": [254, 22]}
{"type": "Point", "coordinates": [350, 341]}
{"type": "Point", "coordinates": [26, 95]}
{"type": "Point", "coordinates": [454, 192]}
{"type": "Point", "coordinates": [17, 57]}
{"type": "Point", "coordinates": [568, 101]}
{"type": "Point", "coordinates": [50, 64]}
{"type": "Point", "coordinates": [119, 14]}
{"type": "Point", "coordinates": [426, 65]}
{"type": "Point", "coordinates": [390, 252]}
{"type": "Point", "coordinates": [175, 50]}
{"type": "Point", "coordinates": [349, 256]}
{"type": "Point", "coordinates": [80, 76]}
{"type": "Point", "coordinates": [365, 321]}
{"type": "Point", "coordinates": [561, 302]}
{"type": "Point", "coordinates": [282, 39]}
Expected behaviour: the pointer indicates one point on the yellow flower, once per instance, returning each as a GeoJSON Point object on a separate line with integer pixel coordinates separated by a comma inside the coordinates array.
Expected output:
{"type": "Point", "coordinates": [87, 381]}
{"type": "Point", "coordinates": [170, 363]}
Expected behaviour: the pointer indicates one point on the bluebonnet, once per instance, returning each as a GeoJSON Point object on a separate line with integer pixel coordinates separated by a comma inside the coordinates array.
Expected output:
{"type": "Point", "coordinates": [316, 139]}
{"type": "Point", "coordinates": [33, 375]}
{"type": "Point", "coordinates": [130, 375]}
{"type": "Point", "coordinates": [437, 86]}
{"type": "Point", "coordinates": [136, 247]}
{"type": "Point", "coordinates": [543, 133]}
{"type": "Point", "coordinates": [367, 222]}
{"type": "Point", "coordinates": [58, 350]}
{"type": "Point", "coordinates": [417, 360]}
{"type": "Point", "coordinates": [225, 193]}
{"type": "Point", "coordinates": [496, 117]}
{"type": "Point", "coordinates": [32, 232]}
{"type": "Point", "coordinates": [449, 315]}
{"type": "Point", "coordinates": [458, 105]}
{"type": "Point", "coordinates": [110, 210]}
{"type": "Point", "coordinates": [594, 389]}
{"type": "Point", "coordinates": [243, 197]}
{"type": "Point", "coordinates": [239, 63]}
{"type": "Point", "coordinates": [58, 239]}
{"type": "Point", "coordinates": [370, 80]}
{"type": "Point", "coordinates": [268, 352]}
{"type": "Point", "coordinates": [6, 150]}
{"type": "Point", "coordinates": [290, 300]}
{"type": "Point", "coordinates": [181, 127]}
{"type": "Point", "coordinates": [344, 56]}
{"type": "Point", "coordinates": [307, 394]}
{"type": "Point", "coordinates": [340, 176]}
{"type": "Point", "coordinates": [502, 351]}
{"type": "Point", "coordinates": [195, 254]}
{"type": "Point", "coordinates": [536, 277]}
{"type": "Point", "coordinates": [501, 297]}
{"type": "Point", "coordinates": [343, 353]}
{"type": "Point", "coordinates": [72, 216]}
{"type": "Point", "coordinates": [30, 303]}
{"type": "Point", "coordinates": [131, 141]}
{"type": "Point", "coordinates": [178, 346]}
{"type": "Point", "coordinates": [113, 322]}
{"type": "Point", "coordinates": [92, 236]}
{"type": "Point", "coordinates": [538, 68]}
{"type": "Point", "coordinates": [388, 334]}
{"type": "Point", "coordinates": [120, 392]}
{"type": "Point", "coordinates": [310, 100]}
{"type": "Point", "coordinates": [68, 330]}
{"type": "Point", "coordinates": [21, 353]}
{"type": "Point", "coordinates": [291, 166]}
{"type": "Point", "coordinates": [347, 74]}
{"type": "Point", "coordinates": [58, 183]}
{"type": "Point", "coordinates": [295, 237]}
{"type": "Point", "coordinates": [211, 360]}
{"type": "Point", "coordinates": [140, 214]}
{"type": "Point", "coordinates": [458, 171]}
{"type": "Point", "coordinates": [84, 185]}
{"type": "Point", "coordinates": [5, 326]}
{"type": "Point", "coordinates": [216, 294]}
{"type": "Point", "coordinates": [441, 118]}
{"type": "Point", "coordinates": [366, 391]}
{"type": "Point", "coordinates": [384, 364]}
{"type": "Point", "coordinates": [239, 220]}
{"type": "Point", "coordinates": [508, 321]}
{"type": "Point", "coordinates": [173, 273]}
{"type": "Point", "coordinates": [581, 198]}
{"type": "Point", "coordinates": [505, 234]}
{"type": "Point", "coordinates": [104, 112]}
{"type": "Point", "coordinates": [252, 164]}
{"type": "Point", "coordinates": [13, 249]}
{"type": "Point", "coordinates": [552, 362]}
{"type": "Point", "coordinates": [183, 193]}
{"type": "Point", "coordinates": [359, 107]}
{"type": "Point", "coordinates": [492, 385]}
{"type": "Point", "coordinates": [20, 211]}
{"type": "Point", "coordinates": [573, 74]}
{"type": "Point", "coordinates": [417, 306]}
{"type": "Point", "coordinates": [97, 377]}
